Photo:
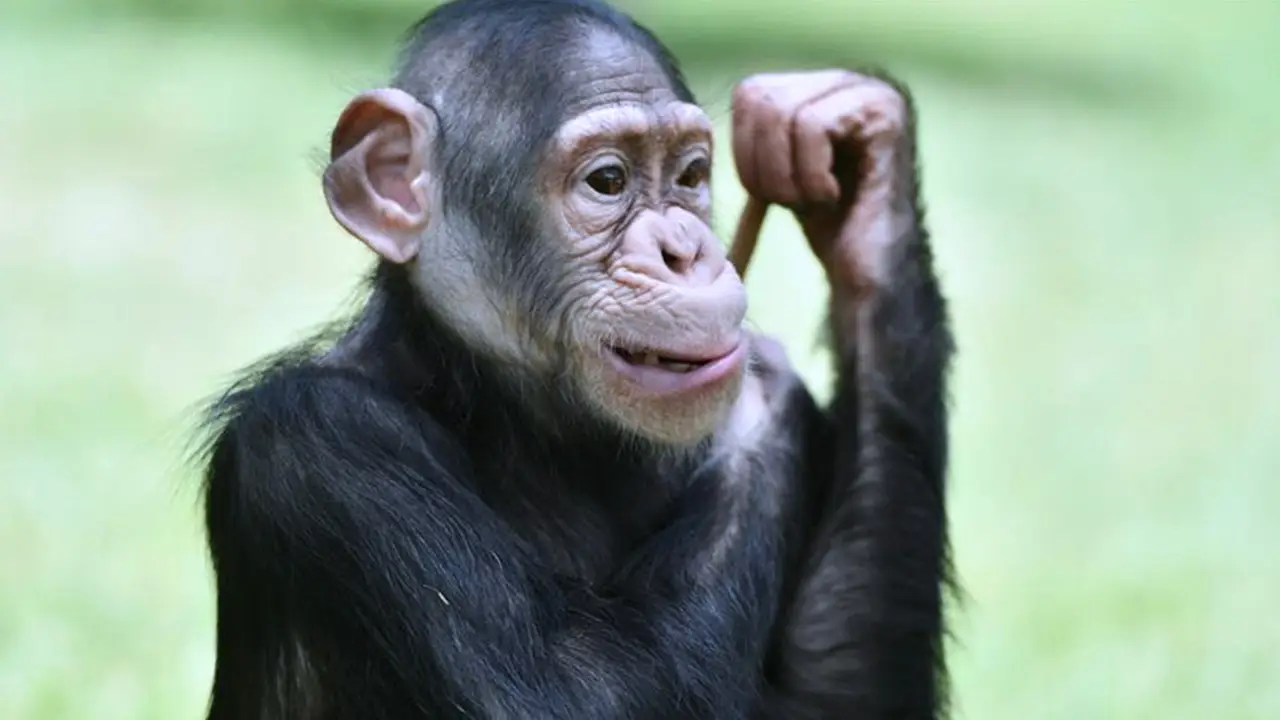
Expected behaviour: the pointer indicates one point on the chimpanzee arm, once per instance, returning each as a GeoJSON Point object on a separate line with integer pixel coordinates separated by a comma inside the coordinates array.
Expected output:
{"type": "Point", "coordinates": [863, 636]}
{"type": "Point", "coordinates": [358, 577]}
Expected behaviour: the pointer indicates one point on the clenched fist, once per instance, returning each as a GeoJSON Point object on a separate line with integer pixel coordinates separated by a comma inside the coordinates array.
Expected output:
{"type": "Point", "coordinates": [835, 147]}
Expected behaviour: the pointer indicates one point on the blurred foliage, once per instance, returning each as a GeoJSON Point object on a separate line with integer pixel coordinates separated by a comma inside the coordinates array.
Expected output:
{"type": "Point", "coordinates": [1087, 48]}
{"type": "Point", "coordinates": [1103, 178]}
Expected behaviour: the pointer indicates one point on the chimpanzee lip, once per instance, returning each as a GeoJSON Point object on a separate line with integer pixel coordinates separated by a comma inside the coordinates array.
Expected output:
{"type": "Point", "coordinates": [647, 355]}
{"type": "Point", "coordinates": [672, 371]}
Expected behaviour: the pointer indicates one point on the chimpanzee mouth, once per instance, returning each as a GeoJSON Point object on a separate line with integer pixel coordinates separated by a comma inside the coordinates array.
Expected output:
{"type": "Point", "coordinates": [664, 371]}
{"type": "Point", "coordinates": [651, 358]}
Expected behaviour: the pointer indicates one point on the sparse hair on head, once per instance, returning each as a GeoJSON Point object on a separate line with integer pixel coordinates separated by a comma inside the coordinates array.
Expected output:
{"type": "Point", "coordinates": [499, 74]}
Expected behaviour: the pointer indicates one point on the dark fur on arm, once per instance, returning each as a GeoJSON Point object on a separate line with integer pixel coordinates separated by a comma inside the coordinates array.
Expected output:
{"type": "Point", "coordinates": [864, 637]}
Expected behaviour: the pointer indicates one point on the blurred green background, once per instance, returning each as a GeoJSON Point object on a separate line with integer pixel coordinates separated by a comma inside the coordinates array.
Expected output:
{"type": "Point", "coordinates": [1104, 183]}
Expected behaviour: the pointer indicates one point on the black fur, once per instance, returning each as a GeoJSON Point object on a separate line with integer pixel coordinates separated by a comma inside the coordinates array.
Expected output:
{"type": "Point", "coordinates": [398, 532]}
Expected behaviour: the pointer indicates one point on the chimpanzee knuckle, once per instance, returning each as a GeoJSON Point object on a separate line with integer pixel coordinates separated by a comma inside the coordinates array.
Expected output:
{"type": "Point", "coordinates": [772, 98]}
{"type": "Point", "coordinates": [815, 118]}
{"type": "Point", "coordinates": [877, 115]}
{"type": "Point", "coordinates": [890, 104]}
{"type": "Point", "coordinates": [883, 128]}
{"type": "Point", "coordinates": [889, 100]}
{"type": "Point", "coordinates": [750, 94]}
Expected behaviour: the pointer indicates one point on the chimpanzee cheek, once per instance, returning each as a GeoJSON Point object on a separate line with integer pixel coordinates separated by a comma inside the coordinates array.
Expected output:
{"type": "Point", "coordinates": [589, 225]}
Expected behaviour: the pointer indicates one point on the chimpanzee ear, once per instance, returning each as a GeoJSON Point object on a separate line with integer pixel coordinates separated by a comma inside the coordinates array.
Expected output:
{"type": "Point", "coordinates": [379, 182]}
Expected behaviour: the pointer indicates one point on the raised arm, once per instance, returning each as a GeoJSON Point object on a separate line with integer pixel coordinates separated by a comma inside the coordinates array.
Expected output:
{"type": "Point", "coordinates": [382, 551]}
{"type": "Point", "coordinates": [863, 637]}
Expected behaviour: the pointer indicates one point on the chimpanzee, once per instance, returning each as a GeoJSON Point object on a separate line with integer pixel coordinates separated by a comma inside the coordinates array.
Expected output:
{"type": "Point", "coordinates": [545, 472]}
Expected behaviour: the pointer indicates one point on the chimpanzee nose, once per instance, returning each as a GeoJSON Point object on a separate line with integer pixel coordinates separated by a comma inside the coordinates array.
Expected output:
{"type": "Point", "coordinates": [674, 246]}
{"type": "Point", "coordinates": [679, 255]}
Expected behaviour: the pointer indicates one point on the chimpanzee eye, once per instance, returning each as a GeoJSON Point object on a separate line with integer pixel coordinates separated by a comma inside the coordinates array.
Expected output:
{"type": "Point", "coordinates": [608, 180]}
{"type": "Point", "coordinates": [696, 174]}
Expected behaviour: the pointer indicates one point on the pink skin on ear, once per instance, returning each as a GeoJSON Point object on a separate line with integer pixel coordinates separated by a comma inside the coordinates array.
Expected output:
{"type": "Point", "coordinates": [378, 183]}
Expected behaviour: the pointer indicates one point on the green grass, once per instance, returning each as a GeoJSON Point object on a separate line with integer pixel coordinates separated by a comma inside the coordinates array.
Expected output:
{"type": "Point", "coordinates": [1111, 264]}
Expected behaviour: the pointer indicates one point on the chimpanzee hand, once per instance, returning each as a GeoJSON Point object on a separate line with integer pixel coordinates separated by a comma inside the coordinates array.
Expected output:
{"type": "Point", "coordinates": [837, 148]}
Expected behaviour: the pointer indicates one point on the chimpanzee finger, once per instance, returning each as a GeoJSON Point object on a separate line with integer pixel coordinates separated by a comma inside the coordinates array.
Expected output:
{"type": "Point", "coordinates": [764, 109]}
{"type": "Point", "coordinates": [812, 144]}
{"type": "Point", "coordinates": [761, 116]}
{"type": "Point", "coordinates": [866, 118]}
{"type": "Point", "coordinates": [744, 141]}
{"type": "Point", "coordinates": [771, 140]}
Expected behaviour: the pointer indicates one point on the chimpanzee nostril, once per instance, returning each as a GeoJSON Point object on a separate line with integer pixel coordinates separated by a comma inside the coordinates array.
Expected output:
{"type": "Point", "coordinates": [678, 263]}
